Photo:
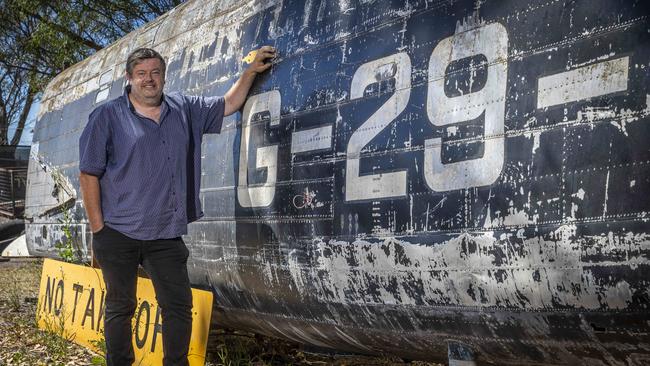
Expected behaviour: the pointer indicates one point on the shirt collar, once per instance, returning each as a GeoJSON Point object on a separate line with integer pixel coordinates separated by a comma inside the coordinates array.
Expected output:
{"type": "Point", "coordinates": [164, 104]}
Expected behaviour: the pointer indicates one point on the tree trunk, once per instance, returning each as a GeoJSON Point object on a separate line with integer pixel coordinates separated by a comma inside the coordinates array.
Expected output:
{"type": "Point", "coordinates": [4, 123]}
{"type": "Point", "coordinates": [29, 100]}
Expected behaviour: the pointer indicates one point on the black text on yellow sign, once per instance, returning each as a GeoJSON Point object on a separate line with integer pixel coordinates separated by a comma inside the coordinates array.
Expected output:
{"type": "Point", "coordinates": [71, 304]}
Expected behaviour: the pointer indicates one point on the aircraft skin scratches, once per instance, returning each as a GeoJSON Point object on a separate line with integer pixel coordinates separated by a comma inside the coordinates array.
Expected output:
{"type": "Point", "coordinates": [407, 174]}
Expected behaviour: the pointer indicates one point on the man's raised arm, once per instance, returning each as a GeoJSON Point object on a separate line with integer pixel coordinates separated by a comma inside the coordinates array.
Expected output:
{"type": "Point", "coordinates": [236, 96]}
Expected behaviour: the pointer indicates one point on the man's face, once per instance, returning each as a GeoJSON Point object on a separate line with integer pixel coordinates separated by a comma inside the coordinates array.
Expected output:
{"type": "Point", "coordinates": [147, 80]}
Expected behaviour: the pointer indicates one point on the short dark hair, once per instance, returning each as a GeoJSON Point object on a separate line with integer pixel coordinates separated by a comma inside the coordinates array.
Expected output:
{"type": "Point", "coordinates": [140, 54]}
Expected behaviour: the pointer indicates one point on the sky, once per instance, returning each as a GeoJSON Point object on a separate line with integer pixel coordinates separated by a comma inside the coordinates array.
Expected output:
{"type": "Point", "coordinates": [26, 138]}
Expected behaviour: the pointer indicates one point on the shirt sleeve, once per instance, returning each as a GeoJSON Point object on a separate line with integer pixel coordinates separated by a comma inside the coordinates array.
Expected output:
{"type": "Point", "coordinates": [93, 145]}
{"type": "Point", "coordinates": [207, 112]}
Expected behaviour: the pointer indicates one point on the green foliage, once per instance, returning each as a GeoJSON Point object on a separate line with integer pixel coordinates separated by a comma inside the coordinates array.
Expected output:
{"type": "Point", "coordinates": [41, 38]}
{"type": "Point", "coordinates": [13, 290]}
{"type": "Point", "coordinates": [65, 247]}
{"type": "Point", "coordinates": [22, 342]}
{"type": "Point", "coordinates": [236, 354]}
{"type": "Point", "coordinates": [239, 349]}
{"type": "Point", "coordinates": [56, 344]}
{"type": "Point", "coordinates": [100, 344]}
{"type": "Point", "coordinates": [98, 360]}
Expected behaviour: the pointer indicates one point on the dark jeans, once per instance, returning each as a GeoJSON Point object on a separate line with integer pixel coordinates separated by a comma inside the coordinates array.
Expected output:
{"type": "Point", "coordinates": [165, 260]}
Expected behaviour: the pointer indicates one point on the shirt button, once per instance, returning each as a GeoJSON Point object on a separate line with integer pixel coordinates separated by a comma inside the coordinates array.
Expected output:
{"type": "Point", "coordinates": [163, 141]}
{"type": "Point", "coordinates": [168, 158]}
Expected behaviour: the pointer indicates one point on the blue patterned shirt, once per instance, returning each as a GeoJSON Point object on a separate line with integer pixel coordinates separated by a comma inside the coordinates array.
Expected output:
{"type": "Point", "coordinates": [149, 173]}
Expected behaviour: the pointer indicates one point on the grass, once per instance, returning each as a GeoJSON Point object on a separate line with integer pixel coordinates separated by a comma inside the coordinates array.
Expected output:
{"type": "Point", "coordinates": [236, 348]}
{"type": "Point", "coordinates": [22, 343]}
{"type": "Point", "coordinates": [99, 360]}
{"type": "Point", "coordinates": [17, 279]}
{"type": "Point", "coordinates": [232, 348]}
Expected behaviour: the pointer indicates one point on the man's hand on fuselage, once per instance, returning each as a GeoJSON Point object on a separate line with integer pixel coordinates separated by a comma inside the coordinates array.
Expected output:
{"type": "Point", "coordinates": [236, 96]}
{"type": "Point", "coordinates": [260, 64]}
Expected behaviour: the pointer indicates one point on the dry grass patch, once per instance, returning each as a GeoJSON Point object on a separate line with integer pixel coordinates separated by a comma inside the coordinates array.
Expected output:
{"type": "Point", "coordinates": [23, 343]}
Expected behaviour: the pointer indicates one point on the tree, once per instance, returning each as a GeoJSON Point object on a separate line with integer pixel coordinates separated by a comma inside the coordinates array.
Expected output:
{"type": "Point", "coordinates": [40, 38]}
{"type": "Point", "coordinates": [16, 99]}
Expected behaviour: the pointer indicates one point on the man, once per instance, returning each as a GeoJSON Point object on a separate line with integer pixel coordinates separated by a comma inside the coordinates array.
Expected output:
{"type": "Point", "coordinates": [139, 158]}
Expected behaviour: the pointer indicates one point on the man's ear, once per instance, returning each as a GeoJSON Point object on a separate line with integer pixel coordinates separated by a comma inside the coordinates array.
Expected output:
{"type": "Point", "coordinates": [127, 77]}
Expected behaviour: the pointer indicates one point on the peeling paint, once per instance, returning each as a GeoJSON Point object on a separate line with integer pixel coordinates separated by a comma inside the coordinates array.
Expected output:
{"type": "Point", "coordinates": [407, 173]}
{"type": "Point", "coordinates": [466, 270]}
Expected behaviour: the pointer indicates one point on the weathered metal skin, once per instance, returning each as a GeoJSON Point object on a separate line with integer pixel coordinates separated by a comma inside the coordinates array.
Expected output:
{"type": "Point", "coordinates": [407, 174]}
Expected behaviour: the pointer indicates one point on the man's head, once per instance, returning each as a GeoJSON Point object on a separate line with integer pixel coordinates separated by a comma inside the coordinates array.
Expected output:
{"type": "Point", "coordinates": [145, 71]}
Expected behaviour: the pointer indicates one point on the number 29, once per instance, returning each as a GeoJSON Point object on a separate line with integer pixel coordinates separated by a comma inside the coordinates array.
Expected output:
{"type": "Point", "coordinates": [490, 40]}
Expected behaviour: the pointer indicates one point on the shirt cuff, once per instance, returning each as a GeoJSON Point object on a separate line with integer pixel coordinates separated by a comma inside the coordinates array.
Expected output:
{"type": "Point", "coordinates": [92, 171]}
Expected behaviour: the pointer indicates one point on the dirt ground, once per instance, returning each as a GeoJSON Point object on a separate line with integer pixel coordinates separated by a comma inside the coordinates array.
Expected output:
{"type": "Point", "coordinates": [22, 343]}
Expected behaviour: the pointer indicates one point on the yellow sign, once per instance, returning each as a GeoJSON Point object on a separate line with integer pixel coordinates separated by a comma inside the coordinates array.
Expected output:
{"type": "Point", "coordinates": [250, 57]}
{"type": "Point", "coordinates": [71, 304]}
